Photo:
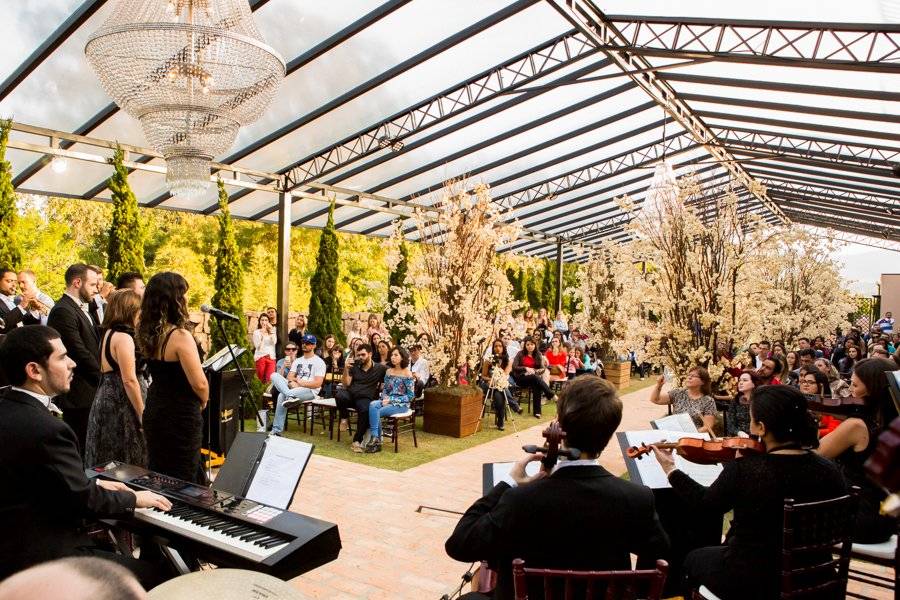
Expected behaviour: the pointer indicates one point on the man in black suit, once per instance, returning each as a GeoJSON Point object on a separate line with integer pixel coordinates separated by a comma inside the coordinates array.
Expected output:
{"type": "Point", "coordinates": [14, 314]}
{"type": "Point", "coordinates": [70, 317]}
{"type": "Point", "coordinates": [45, 493]}
{"type": "Point", "coordinates": [579, 516]}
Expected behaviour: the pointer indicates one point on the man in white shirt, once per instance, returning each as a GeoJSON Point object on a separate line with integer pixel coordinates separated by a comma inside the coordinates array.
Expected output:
{"type": "Point", "coordinates": [419, 367]}
{"type": "Point", "coordinates": [303, 382]}
{"type": "Point", "coordinates": [39, 303]}
{"type": "Point", "coordinates": [13, 311]}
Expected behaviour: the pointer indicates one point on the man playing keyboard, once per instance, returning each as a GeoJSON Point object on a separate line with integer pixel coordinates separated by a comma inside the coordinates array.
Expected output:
{"type": "Point", "coordinates": [45, 493]}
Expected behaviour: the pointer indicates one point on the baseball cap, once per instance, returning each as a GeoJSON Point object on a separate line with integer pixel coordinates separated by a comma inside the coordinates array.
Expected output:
{"type": "Point", "coordinates": [309, 339]}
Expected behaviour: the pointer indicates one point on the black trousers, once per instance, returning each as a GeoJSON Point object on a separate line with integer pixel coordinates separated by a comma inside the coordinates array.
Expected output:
{"type": "Point", "coordinates": [77, 419]}
{"type": "Point", "coordinates": [728, 574]}
{"type": "Point", "coordinates": [538, 386]}
{"type": "Point", "coordinates": [345, 399]}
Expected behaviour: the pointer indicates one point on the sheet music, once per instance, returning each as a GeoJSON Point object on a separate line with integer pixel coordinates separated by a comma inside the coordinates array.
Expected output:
{"type": "Point", "coordinates": [279, 470]}
{"type": "Point", "coordinates": [652, 474]}
{"type": "Point", "coordinates": [501, 470]}
{"type": "Point", "coordinates": [678, 422]}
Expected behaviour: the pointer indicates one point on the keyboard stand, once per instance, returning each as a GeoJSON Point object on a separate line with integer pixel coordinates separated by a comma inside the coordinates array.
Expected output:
{"type": "Point", "coordinates": [175, 559]}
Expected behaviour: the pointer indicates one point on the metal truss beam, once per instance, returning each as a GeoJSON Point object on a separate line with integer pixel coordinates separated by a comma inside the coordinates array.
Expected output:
{"type": "Point", "coordinates": [860, 226]}
{"type": "Point", "coordinates": [487, 142]}
{"type": "Point", "coordinates": [852, 238]}
{"type": "Point", "coordinates": [793, 108]}
{"type": "Point", "coordinates": [797, 124]}
{"type": "Point", "coordinates": [520, 70]}
{"type": "Point", "coordinates": [832, 208]}
{"type": "Point", "coordinates": [841, 197]}
{"type": "Point", "coordinates": [53, 41]}
{"type": "Point", "coordinates": [839, 152]}
{"type": "Point", "coordinates": [778, 86]}
{"type": "Point", "coordinates": [585, 16]}
{"type": "Point", "coordinates": [844, 181]}
{"type": "Point", "coordinates": [778, 158]}
{"type": "Point", "coordinates": [863, 46]}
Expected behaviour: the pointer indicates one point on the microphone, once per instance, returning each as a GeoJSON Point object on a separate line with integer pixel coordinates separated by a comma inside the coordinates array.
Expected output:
{"type": "Point", "coordinates": [219, 314]}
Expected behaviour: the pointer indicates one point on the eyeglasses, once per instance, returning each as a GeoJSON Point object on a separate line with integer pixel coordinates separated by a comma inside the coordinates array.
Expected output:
{"type": "Point", "coordinates": [291, 349]}
{"type": "Point", "coordinates": [808, 381]}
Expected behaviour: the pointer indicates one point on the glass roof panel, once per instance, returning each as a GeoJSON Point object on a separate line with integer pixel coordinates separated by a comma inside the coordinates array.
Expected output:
{"type": "Point", "coordinates": [34, 22]}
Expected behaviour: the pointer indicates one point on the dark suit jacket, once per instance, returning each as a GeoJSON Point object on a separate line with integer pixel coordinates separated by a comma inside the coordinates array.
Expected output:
{"type": "Point", "coordinates": [12, 318]}
{"type": "Point", "coordinates": [83, 345]}
{"type": "Point", "coordinates": [581, 517]}
{"type": "Point", "coordinates": [45, 493]}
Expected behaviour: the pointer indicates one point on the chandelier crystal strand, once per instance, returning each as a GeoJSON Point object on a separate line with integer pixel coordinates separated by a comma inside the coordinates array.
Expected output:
{"type": "Point", "coordinates": [192, 72]}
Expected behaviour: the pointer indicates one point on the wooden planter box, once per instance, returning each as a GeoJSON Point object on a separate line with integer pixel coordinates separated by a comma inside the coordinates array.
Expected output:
{"type": "Point", "coordinates": [453, 412]}
{"type": "Point", "coordinates": [617, 373]}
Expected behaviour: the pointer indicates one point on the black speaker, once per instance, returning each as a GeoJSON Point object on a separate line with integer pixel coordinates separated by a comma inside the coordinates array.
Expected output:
{"type": "Point", "coordinates": [224, 405]}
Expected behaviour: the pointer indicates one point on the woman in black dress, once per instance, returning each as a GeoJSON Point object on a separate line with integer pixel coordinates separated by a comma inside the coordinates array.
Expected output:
{"type": "Point", "coordinates": [173, 424]}
{"type": "Point", "coordinates": [854, 440]}
{"type": "Point", "coordinates": [747, 565]}
{"type": "Point", "coordinates": [114, 426]}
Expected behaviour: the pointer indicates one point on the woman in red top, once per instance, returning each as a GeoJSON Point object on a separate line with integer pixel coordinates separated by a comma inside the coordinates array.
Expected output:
{"type": "Point", "coordinates": [527, 370]}
{"type": "Point", "coordinates": [556, 360]}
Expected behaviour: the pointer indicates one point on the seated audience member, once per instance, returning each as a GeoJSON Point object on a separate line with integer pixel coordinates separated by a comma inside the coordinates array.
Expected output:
{"type": "Point", "coordinates": [528, 370]}
{"type": "Point", "coordinates": [837, 387]}
{"type": "Point", "coordinates": [418, 364]}
{"type": "Point", "coordinates": [747, 564]}
{"type": "Point", "coordinates": [513, 346]}
{"type": "Point", "coordinates": [13, 314]}
{"type": "Point", "coordinates": [573, 362]}
{"type": "Point", "coordinates": [805, 343]}
{"type": "Point", "coordinates": [854, 440]}
{"type": "Point", "coordinates": [361, 380]}
{"type": "Point", "coordinates": [560, 324]}
{"type": "Point", "coordinates": [38, 303]}
{"type": "Point", "coordinates": [526, 516]}
{"type": "Point", "coordinates": [851, 355]}
{"type": "Point", "coordinates": [694, 399]}
{"type": "Point", "coordinates": [133, 281]}
{"type": "Point", "coordinates": [879, 351]}
{"type": "Point", "coordinates": [324, 351]}
{"type": "Point", "coordinates": [737, 411]}
{"type": "Point", "coordinates": [77, 578]}
{"type": "Point", "coordinates": [45, 494]}
{"type": "Point", "coordinates": [768, 371]}
{"type": "Point", "coordinates": [283, 366]}
{"type": "Point", "coordinates": [382, 352]}
{"type": "Point", "coordinates": [812, 382]}
{"type": "Point", "coordinates": [791, 362]}
{"type": "Point", "coordinates": [334, 370]}
{"type": "Point", "coordinates": [556, 359]}
{"type": "Point", "coordinates": [805, 358]}
{"type": "Point", "coordinates": [498, 381]}
{"type": "Point", "coordinates": [303, 382]}
{"type": "Point", "coordinates": [375, 326]}
{"type": "Point", "coordinates": [264, 351]}
{"type": "Point", "coordinates": [396, 394]}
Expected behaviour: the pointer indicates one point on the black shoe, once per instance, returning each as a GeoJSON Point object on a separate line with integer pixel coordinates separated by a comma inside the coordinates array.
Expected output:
{"type": "Point", "coordinates": [373, 447]}
{"type": "Point", "coordinates": [499, 427]}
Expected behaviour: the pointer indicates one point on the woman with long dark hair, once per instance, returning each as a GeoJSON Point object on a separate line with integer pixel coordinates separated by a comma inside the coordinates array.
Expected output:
{"type": "Point", "coordinates": [528, 370]}
{"type": "Point", "coordinates": [854, 440]}
{"type": "Point", "coordinates": [498, 380]}
{"type": "Point", "coordinates": [747, 564]}
{"type": "Point", "coordinates": [173, 424]}
{"type": "Point", "coordinates": [382, 352]}
{"type": "Point", "coordinates": [114, 426]}
{"type": "Point", "coordinates": [851, 355]}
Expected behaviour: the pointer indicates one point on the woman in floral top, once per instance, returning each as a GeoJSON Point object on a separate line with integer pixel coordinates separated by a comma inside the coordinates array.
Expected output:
{"type": "Point", "coordinates": [397, 393]}
{"type": "Point", "coordinates": [694, 399]}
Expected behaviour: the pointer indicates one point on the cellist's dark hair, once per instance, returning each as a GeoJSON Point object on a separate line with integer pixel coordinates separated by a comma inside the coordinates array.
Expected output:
{"type": "Point", "coordinates": [589, 411]}
{"type": "Point", "coordinates": [784, 412]}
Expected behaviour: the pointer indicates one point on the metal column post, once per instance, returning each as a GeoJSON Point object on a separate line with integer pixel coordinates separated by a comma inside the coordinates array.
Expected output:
{"type": "Point", "coordinates": [284, 263]}
{"type": "Point", "coordinates": [559, 275]}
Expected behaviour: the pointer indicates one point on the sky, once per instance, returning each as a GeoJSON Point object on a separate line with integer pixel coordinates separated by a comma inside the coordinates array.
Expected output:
{"type": "Point", "coordinates": [864, 265]}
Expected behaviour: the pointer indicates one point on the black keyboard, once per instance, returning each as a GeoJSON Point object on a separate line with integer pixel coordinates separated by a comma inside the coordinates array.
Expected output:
{"type": "Point", "coordinates": [227, 530]}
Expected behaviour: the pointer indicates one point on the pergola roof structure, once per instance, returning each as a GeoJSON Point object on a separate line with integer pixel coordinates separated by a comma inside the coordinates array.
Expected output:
{"type": "Point", "coordinates": [560, 105]}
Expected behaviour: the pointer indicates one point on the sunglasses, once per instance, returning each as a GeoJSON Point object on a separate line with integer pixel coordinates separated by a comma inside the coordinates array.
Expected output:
{"type": "Point", "coordinates": [291, 349]}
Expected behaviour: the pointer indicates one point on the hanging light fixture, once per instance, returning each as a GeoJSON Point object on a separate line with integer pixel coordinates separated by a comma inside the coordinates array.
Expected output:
{"type": "Point", "coordinates": [192, 72]}
{"type": "Point", "coordinates": [662, 193]}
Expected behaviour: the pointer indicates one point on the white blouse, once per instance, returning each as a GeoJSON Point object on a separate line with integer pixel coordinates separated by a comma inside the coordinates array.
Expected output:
{"type": "Point", "coordinates": [264, 344]}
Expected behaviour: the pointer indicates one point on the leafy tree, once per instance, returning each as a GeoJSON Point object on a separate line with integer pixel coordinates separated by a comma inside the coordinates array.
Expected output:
{"type": "Point", "coordinates": [402, 327]}
{"type": "Point", "coordinates": [548, 287]}
{"type": "Point", "coordinates": [125, 251]}
{"type": "Point", "coordinates": [324, 304]}
{"type": "Point", "coordinates": [535, 284]}
{"type": "Point", "coordinates": [229, 282]}
{"type": "Point", "coordinates": [10, 249]}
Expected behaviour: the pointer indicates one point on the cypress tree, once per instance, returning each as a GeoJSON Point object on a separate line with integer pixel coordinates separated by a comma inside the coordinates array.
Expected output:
{"type": "Point", "coordinates": [229, 282]}
{"type": "Point", "coordinates": [10, 249]}
{"type": "Point", "coordinates": [125, 251]}
{"type": "Point", "coordinates": [534, 290]}
{"type": "Point", "coordinates": [513, 279]}
{"type": "Point", "coordinates": [324, 305]}
{"type": "Point", "coordinates": [405, 329]}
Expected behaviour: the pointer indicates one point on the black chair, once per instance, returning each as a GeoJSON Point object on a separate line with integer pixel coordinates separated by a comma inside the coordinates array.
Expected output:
{"type": "Point", "coordinates": [621, 585]}
{"type": "Point", "coordinates": [883, 555]}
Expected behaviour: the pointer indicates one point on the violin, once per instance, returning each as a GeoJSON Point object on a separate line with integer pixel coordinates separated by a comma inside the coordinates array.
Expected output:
{"type": "Point", "coordinates": [844, 407]}
{"type": "Point", "coordinates": [704, 452]}
{"type": "Point", "coordinates": [552, 450]}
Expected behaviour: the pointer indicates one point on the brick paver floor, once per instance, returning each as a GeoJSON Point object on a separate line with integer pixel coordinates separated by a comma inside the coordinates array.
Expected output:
{"type": "Point", "coordinates": [394, 548]}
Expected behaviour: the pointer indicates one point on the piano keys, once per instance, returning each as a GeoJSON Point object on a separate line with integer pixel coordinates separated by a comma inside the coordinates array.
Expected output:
{"type": "Point", "coordinates": [224, 529]}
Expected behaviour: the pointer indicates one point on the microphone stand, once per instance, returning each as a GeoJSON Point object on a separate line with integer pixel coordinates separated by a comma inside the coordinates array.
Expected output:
{"type": "Point", "coordinates": [245, 391]}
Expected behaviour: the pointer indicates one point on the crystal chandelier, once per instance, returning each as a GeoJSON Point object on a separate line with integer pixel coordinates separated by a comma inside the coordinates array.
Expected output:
{"type": "Point", "coordinates": [192, 72]}
{"type": "Point", "coordinates": [662, 193]}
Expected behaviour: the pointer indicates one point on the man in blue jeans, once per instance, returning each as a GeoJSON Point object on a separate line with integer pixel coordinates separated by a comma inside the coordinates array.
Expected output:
{"type": "Point", "coordinates": [302, 383]}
